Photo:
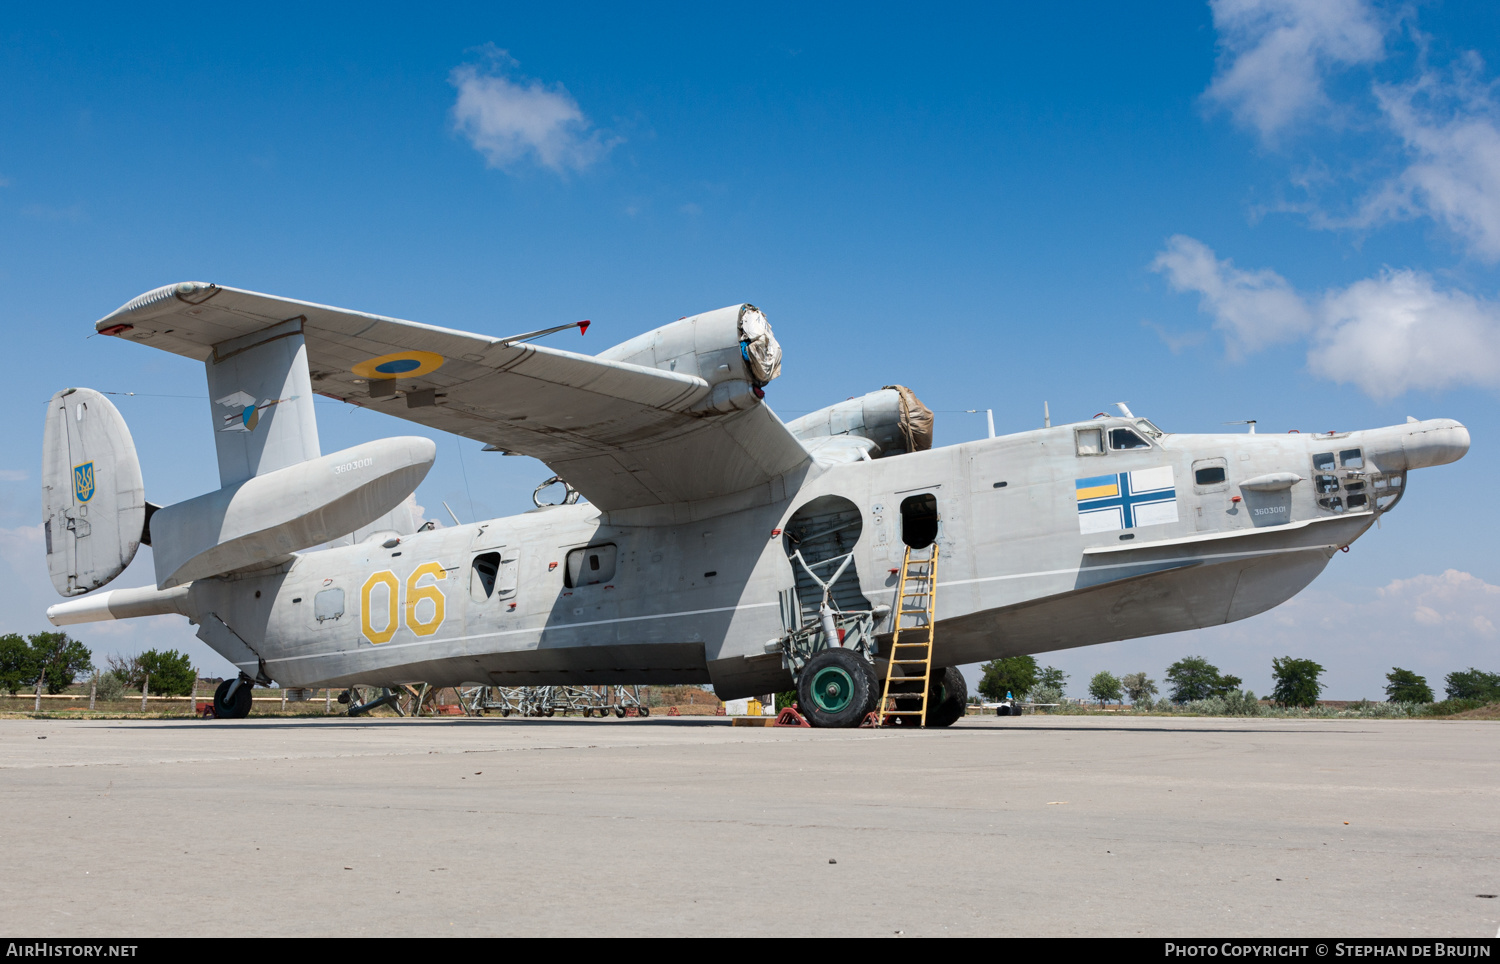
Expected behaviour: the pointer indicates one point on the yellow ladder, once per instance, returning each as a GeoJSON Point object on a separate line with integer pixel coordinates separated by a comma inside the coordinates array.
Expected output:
{"type": "Point", "coordinates": [911, 657]}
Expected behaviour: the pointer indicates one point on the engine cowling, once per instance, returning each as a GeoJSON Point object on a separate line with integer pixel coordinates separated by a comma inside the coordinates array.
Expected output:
{"type": "Point", "coordinates": [722, 347]}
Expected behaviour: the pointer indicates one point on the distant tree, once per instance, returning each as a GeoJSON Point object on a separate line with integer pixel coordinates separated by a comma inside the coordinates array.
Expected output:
{"type": "Point", "coordinates": [1052, 678]}
{"type": "Point", "coordinates": [17, 663]}
{"type": "Point", "coordinates": [1404, 686]}
{"type": "Point", "coordinates": [1296, 681]}
{"type": "Point", "coordinates": [59, 660]}
{"type": "Point", "coordinates": [1138, 687]}
{"type": "Point", "coordinates": [1104, 687]}
{"type": "Point", "coordinates": [171, 672]}
{"type": "Point", "coordinates": [1472, 684]}
{"type": "Point", "coordinates": [1195, 678]}
{"type": "Point", "coordinates": [1015, 675]}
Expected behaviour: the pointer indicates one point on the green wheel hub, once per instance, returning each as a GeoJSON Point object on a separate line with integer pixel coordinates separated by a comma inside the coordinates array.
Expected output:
{"type": "Point", "coordinates": [832, 688]}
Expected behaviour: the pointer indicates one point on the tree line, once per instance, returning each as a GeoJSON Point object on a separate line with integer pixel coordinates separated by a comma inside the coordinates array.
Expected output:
{"type": "Point", "coordinates": [1298, 682]}
{"type": "Point", "coordinates": [56, 661]}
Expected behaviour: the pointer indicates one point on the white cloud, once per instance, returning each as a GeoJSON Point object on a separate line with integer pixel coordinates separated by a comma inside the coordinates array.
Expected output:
{"type": "Point", "coordinates": [13, 475]}
{"type": "Point", "coordinates": [1398, 332]}
{"type": "Point", "coordinates": [509, 118]}
{"type": "Point", "coordinates": [1274, 55]}
{"type": "Point", "coordinates": [1387, 335]}
{"type": "Point", "coordinates": [1254, 309]}
{"type": "Point", "coordinates": [1451, 128]}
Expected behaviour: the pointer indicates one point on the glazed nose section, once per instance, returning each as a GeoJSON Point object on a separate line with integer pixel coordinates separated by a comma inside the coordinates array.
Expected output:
{"type": "Point", "coordinates": [1416, 445]}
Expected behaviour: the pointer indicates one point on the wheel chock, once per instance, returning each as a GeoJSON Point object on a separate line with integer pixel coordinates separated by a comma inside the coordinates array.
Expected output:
{"type": "Point", "coordinates": [790, 717]}
{"type": "Point", "coordinates": [871, 721]}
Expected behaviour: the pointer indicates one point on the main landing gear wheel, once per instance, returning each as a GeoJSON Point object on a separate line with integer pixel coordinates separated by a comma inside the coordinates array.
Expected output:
{"type": "Point", "coordinates": [947, 695]}
{"type": "Point", "coordinates": [645, 711]}
{"type": "Point", "coordinates": [236, 706]}
{"type": "Point", "coordinates": [619, 712]}
{"type": "Point", "coordinates": [836, 688]}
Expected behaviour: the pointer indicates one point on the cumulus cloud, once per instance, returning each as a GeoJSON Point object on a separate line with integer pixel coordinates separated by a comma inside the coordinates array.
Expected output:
{"type": "Point", "coordinates": [511, 119]}
{"type": "Point", "coordinates": [1274, 55]}
{"type": "Point", "coordinates": [13, 475]}
{"type": "Point", "coordinates": [1450, 127]}
{"type": "Point", "coordinates": [1254, 309]}
{"type": "Point", "coordinates": [1387, 335]}
{"type": "Point", "coordinates": [1457, 600]}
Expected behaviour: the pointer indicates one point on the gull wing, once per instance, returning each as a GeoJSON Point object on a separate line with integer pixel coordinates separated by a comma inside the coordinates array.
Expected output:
{"type": "Point", "coordinates": [624, 435]}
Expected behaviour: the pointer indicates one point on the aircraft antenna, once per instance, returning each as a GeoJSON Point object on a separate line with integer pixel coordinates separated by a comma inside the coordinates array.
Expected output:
{"type": "Point", "coordinates": [1244, 421]}
{"type": "Point", "coordinates": [989, 417]}
{"type": "Point", "coordinates": [1046, 416]}
{"type": "Point", "coordinates": [1124, 410]}
{"type": "Point", "coordinates": [454, 517]}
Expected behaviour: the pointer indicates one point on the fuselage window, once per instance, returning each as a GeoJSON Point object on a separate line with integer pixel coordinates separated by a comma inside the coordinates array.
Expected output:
{"type": "Point", "coordinates": [1090, 441]}
{"type": "Point", "coordinates": [919, 520]}
{"type": "Point", "coordinates": [1209, 476]}
{"type": "Point", "coordinates": [1352, 459]}
{"type": "Point", "coordinates": [591, 565]}
{"type": "Point", "coordinates": [1325, 483]}
{"type": "Point", "coordinates": [328, 604]}
{"type": "Point", "coordinates": [1323, 462]}
{"type": "Point", "coordinates": [482, 577]}
{"type": "Point", "coordinates": [1123, 438]}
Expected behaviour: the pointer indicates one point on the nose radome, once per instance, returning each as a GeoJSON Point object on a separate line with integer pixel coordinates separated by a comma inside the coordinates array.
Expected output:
{"type": "Point", "coordinates": [1436, 441]}
{"type": "Point", "coordinates": [1415, 445]}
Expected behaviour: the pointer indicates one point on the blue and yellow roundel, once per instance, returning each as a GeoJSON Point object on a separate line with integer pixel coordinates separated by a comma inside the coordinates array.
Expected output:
{"type": "Point", "coordinates": [400, 364]}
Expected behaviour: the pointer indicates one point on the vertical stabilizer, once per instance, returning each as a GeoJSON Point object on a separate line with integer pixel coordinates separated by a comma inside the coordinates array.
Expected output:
{"type": "Point", "coordinates": [262, 402]}
{"type": "Point", "coordinates": [93, 500]}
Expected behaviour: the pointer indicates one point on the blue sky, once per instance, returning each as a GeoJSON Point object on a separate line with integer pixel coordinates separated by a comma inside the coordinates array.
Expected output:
{"type": "Point", "coordinates": [1249, 209]}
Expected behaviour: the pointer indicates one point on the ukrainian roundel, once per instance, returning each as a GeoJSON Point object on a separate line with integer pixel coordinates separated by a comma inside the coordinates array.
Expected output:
{"type": "Point", "coordinates": [401, 364]}
{"type": "Point", "coordinates": [1127, 500]}
{"type": "Point", "coordinates": [83, 481]}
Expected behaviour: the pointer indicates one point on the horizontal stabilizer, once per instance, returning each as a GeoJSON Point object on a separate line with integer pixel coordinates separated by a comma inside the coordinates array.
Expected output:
{"type": "Point", "coordinates": [280, 512]}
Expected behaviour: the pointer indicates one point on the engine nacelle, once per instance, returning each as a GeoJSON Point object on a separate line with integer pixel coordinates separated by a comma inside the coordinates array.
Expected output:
{"type": "Point", "coordinates": [892, 421]}
{"type": "Point", "coordinates": [730, 345]}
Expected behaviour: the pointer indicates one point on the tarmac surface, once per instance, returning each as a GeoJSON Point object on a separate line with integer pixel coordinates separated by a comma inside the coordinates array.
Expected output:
{"type": "Point", "coordinates": [1031, 826]}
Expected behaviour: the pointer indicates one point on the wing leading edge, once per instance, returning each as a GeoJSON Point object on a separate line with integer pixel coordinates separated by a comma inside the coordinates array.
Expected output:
{"type": "Point", "coordinates": [672, 417]}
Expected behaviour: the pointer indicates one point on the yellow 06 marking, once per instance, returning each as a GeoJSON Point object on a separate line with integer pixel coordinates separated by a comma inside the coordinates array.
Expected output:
{"type": "Point", "coordinates": [387, 579]}
{"type": "Point", "coordinates": [415, 594]}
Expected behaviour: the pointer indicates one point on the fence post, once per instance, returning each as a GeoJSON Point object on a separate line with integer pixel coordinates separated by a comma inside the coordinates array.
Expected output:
{"type": "Point", "coordinates": [93, 689]}
{"type": "Point", "coordinates": [327, 701]}
{"type": "Point", "coordinates": [283, 699]}
{"type": "Point", "coordinates": [145, 690]}
{"type": "Point", "coordinates": [42, 675]}
{"type": "Point", "coordinates": [193, 698]}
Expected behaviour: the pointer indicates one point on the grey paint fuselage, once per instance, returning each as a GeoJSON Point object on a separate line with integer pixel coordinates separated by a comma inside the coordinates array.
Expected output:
{"type": "Point", "coordinates": [694, 597]}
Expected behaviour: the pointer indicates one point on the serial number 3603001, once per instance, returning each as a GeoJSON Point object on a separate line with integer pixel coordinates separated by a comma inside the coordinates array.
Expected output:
{"type": "Point", "coordinates": [1271, 510]}
{"type": "Point", "coordinates": [421, 620]}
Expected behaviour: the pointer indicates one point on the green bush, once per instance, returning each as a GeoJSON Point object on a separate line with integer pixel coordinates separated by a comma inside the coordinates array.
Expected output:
{"type": "Point", "coordinates": [1404, 686]}
{"type": "Point", "coordinates": [59, 658]}
{"type": "Point", "coordinates": [1045, 694]}
{"type": "Point", "coordinates": [1473, 684]}
{"type": "Point", "coordinates": [17, 663]}
{"type": "Point", "coordinates": [109, 687]}
{"type": "Point", "coordinates": [171, 673]}
{"type": "Point", "coordinates": [1297, 681]}
{"type": "Point", "coordinates": [1014, 674]}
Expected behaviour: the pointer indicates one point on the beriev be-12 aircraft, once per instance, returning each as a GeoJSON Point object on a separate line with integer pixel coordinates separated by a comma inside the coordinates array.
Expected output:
{"type": "Point", "coordinates": [716, 544]}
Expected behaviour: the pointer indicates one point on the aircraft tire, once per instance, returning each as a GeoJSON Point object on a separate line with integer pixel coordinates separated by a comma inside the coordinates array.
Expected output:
{"type": "Point", "coordinates": [232, 709]}
{"type": "Point", "coordinates": [947, 694]}
{"type": "Point", "coordinates": [836, 688]}
{"type": "Point", "coordinates": [645, 711]}
{"type": "Point", "coordinates": [619, 712]}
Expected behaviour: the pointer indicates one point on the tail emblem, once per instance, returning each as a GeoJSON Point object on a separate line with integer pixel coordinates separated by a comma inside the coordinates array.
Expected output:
{"type": "Point", "coordinates": [246, 414]}
{"type": "Point", "coordinates": [83, 481]}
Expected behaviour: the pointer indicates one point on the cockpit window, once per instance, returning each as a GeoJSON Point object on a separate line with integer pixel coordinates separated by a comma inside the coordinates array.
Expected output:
{"type": "Point", "coordinates": [1144, 424]}
{"type": "Point", "coordinates": [1352, 459]}
{"type": "Point", "coordinates": [1090, 441]}
{"type": "Point", "coordinates": [1323, 462]}
{"type": "Point", "coordinates": [1124, 438]}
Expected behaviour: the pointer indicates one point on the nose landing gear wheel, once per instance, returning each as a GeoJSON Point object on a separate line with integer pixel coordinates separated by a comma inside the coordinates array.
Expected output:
{"type": "Point", "coordinates": [836, 688]}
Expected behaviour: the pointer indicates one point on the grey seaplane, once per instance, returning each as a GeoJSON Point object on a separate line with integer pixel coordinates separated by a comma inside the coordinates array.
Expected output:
{"type": "Point", "coordinates": [695, 537]}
